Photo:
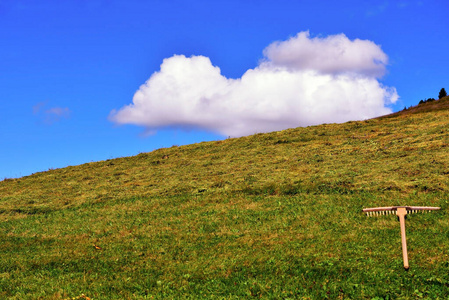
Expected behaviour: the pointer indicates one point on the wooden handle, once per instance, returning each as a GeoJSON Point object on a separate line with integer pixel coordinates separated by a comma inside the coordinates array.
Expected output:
{"type": "Point", "coordinates": [402, 211]}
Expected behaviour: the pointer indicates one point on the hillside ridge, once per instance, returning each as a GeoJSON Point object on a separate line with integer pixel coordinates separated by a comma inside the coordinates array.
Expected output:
{"type": "Point", "coordinates": [431, 106]}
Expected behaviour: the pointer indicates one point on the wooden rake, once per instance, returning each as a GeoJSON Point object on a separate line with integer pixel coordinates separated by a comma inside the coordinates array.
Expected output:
{"type": "Point", "coordinates": [401, 212]}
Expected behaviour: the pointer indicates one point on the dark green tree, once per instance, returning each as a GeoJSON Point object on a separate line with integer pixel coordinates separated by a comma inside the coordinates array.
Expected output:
{"type": "Point", "coordinates": [442, 93]}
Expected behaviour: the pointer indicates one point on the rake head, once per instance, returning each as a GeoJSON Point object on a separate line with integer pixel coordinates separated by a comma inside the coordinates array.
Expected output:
{"type": "Point", "coordinates": [381, 211]}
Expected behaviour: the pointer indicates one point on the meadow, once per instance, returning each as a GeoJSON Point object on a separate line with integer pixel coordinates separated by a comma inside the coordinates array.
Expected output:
{"type": "Point", "coordinates": [271, 216]}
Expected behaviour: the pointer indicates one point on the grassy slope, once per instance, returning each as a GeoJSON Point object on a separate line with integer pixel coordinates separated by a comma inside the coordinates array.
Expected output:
{"type": "Point", "coordinates": [273, 215]}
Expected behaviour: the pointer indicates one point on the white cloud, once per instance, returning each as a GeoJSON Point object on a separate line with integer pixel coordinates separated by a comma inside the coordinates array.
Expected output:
{"type": "Point", "coordinates": [334, 54]}
{"type": "Point", "coordinates": [58, 112]}
{"type": "Point", "coordinates": [50, 115]}
{"type": "Point", "coordinates": [303, 81]}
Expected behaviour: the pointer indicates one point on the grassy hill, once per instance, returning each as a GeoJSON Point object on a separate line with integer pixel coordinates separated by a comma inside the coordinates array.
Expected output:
{"type": "Point", "coordinates": [273, 216]}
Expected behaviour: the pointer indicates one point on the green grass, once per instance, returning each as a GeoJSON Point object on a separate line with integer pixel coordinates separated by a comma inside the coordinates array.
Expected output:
{"type": "Point", "coordinates": [273, 216]}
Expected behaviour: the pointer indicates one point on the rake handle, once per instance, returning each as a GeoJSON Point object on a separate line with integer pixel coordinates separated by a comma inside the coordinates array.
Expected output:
{"type": "Point", "coordinates": [401, 212]}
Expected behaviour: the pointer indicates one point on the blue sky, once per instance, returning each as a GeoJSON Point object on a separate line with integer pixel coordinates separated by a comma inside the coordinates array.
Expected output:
{"type": "Point", "coordinates": [70, 68]}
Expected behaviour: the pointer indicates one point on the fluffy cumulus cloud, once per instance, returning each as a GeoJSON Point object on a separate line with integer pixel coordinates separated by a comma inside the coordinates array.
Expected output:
{"type": "Point", "coordinates": [334, 54]}
{"type": "Point", "coordinates": [302, 81]}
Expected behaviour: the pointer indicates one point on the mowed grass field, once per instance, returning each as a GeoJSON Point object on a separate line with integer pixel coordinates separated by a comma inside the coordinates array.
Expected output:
{"type": "Point", "coordinates": [271, 216]}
